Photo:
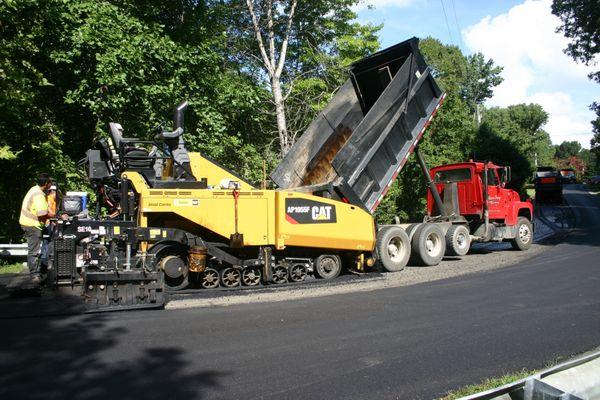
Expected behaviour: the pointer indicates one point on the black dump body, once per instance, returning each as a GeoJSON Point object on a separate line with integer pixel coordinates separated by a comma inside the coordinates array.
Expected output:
{"type": "Point", "coordinates": [548, 185]}
{"type": "Point", "coordinates": [354, 149]}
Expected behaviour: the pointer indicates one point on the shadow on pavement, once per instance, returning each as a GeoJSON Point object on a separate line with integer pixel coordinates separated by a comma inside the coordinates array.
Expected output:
{"type": "Point", "coordinates": [577, 220]}
{"type": "Point", "coordinates": [74, 358]}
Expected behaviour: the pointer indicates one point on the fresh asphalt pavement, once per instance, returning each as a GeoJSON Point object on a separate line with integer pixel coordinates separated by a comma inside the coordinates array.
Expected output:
{"type": "Point", "coordinates": [414, 342]}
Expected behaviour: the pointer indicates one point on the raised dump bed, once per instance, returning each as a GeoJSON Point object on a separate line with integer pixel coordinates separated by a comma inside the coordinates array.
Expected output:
{"type": "Point", "coordinates": [354, 149]}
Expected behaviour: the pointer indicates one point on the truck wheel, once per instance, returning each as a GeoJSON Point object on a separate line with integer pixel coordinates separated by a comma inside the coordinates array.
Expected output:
{"type": "Point", "coordinates": [393, 248]}
{"type": "Point", "coordinates": [411, 228]}
{"type": "Point", "coordinates": [328, 266]}
{"type": "Point", "coordinates": [428, 245]}
{"type": "Point", "coordinates": [524, 237]}
{"type": "Point", "coordinates": [458, 240]}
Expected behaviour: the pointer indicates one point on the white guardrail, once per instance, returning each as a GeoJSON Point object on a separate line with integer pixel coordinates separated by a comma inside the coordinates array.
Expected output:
{"type": "Point", "coordinates": [13, 250]}
{"type": "Point", "coordinates": [577, 379]}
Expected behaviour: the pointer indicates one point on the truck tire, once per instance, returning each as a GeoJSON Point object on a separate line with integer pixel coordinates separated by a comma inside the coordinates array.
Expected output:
{"type": "Point", "coordinates": [458, 241]}
{"type": "Point", "coordinates": [411, 228]}
{"type": "Point", "coordinates": [392, 248]}
{"type": "Point", "coordinates": [524, 237]}
{"type": "Point", "coordinates": [428, 245]}
{"type": "Point", "coordinates": [328, 266]}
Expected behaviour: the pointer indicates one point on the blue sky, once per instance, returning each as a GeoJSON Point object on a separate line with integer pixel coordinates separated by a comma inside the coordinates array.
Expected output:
{"type": "Point", "coordinates": [518, 35]}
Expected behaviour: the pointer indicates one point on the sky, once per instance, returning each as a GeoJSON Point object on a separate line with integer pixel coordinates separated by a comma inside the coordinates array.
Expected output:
{"type": "Point", "coordinates": [520, 36]}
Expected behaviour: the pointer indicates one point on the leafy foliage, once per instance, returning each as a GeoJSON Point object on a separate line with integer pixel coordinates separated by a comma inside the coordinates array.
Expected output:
{"type": "Point", "coordinates": [514, 136]}
{"type": "Point", "coordinates": [580, 23]}
{"type": "Point", "coordinates": [310, 92]}
{"type": "Point", "coordinates": [482, 77]}
{"type": "Point", "coordinates": [568, 149]}
{"type": "Point", "coordinates": [595, 142]}
{"type": "Point", "coordinates": [590, 162]}
{"type": "Point", "coordinates": [70, 67]}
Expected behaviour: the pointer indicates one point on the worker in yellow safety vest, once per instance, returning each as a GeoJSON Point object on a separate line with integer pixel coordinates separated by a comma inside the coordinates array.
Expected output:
{"type": "Point", "coordinates": [52, 198]}
{"type": "Point", "coordinates": [34, 214]}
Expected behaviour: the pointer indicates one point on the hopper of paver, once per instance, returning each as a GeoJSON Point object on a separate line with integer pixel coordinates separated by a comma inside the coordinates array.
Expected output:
{"type": "Point", "coordinates": [354, 149]}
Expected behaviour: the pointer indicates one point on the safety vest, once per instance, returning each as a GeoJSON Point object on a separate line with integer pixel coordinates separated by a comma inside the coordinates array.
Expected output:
{"type": "Point", "coordinates": [34, 205]}
{"type": "Point", "coordinates": [51, 199]}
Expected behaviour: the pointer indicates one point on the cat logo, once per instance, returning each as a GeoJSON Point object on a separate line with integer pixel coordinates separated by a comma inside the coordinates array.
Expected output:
{"type": "Point", "coordinates": [322, 213]}
{"type": "Point", "coordinates": [303, 211]}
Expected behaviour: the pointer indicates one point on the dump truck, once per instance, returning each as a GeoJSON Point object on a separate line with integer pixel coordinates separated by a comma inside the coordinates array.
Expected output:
{"type": "Point", "coordinates": [346, 156]}
{"type": "Point", "coordinates": [479, 206]}
{"type": "Point", "coordinates": [548, 185]}
{"type": "Point", "coordinates": [168, 219]}
{"type": "Point", "coordinates": [568, 175]}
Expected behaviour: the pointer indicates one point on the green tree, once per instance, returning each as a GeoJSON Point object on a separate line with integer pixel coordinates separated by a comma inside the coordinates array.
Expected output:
{"type": "Point", "coordinates": [589, 161]}
{"type": "Point", "coordinates": [567, 149]}
{"type": "Point", "coordinates": [481, 79]}
{"type": "Point", "coordinates": [595, 142]}
{"type": "Point", "coordinates": [286, 43]}
{"type": "Point", "coordinates": [309, 93]}
{"type": "Point", "coordinates": [514, 136]}
{"type": "Point", "coordinates": [70, 67]}
{"type": "Point", "coordinates": [448, 64]}
{"type": "Point", "coordinates": [581, 24]}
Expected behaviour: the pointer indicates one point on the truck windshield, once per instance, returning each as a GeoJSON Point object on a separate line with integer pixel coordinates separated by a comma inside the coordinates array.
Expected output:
{"type": "Point", "coordinates": [453, 175]}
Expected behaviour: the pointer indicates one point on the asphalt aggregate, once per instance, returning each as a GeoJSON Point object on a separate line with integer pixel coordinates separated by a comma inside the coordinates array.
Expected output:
{"type": "Point", "coordinates": [412, 342]}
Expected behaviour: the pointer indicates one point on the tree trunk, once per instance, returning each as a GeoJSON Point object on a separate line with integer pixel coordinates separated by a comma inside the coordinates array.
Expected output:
{"type": "Point", "coordinates": [274, 63]}
{"type": "Point", "coordinates": [284, 139]}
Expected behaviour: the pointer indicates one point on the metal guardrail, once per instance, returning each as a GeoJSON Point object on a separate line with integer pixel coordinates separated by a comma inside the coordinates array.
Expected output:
{"type": "Point", "coordinates": [13, 250]}
{"type": "Point", "coordinates": [578, 379]}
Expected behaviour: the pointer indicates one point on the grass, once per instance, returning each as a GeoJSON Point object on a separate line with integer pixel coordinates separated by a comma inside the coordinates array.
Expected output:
{"type": "Point", "coordinates": [530, 192]}
{"type": "Point", "coordinates": [487, 384]}
{"type": "Point", "coordinates": [10, 268]}
{"type": "Point", "coordinates": [495, 382]}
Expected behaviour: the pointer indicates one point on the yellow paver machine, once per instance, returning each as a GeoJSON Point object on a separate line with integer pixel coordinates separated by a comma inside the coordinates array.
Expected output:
{"type": "Point", "coordinates": [178, 220]}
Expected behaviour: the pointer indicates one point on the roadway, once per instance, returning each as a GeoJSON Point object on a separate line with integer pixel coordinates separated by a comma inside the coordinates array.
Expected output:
{"type": "Point", "coordinates": [413, 342]}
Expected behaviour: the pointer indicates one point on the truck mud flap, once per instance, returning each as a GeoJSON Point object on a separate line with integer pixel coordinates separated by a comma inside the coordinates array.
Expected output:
{"type": "Point", "coordinates": [126, 290]}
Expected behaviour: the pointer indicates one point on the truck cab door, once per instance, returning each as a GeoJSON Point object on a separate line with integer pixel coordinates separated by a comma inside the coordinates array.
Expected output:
{"type": "Point", "coordinates": [496, 201]}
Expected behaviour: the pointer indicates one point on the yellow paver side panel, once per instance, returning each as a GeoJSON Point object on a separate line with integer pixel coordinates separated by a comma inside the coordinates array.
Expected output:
{"type": "Point", "coordinates": [265, 217]}
{"type": "Point", "coordinates": [214, 174]}
{"type": "Point", "coordinates": [311, 221]}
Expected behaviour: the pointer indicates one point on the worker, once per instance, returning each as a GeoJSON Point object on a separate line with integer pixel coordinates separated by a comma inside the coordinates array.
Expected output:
{"type": "Point", "coordinates": [34, 214]}
{"type": "Point", "coordinates": [52, 199]}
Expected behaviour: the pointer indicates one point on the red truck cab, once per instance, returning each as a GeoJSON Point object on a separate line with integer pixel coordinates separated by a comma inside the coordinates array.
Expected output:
{"type": "Point", "coordinates": [477, 192]}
